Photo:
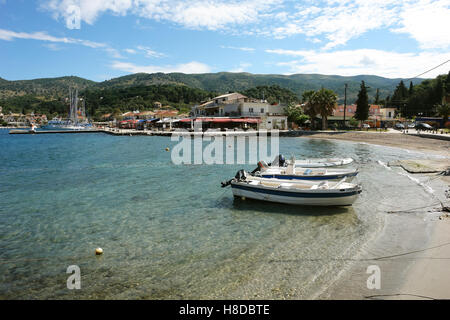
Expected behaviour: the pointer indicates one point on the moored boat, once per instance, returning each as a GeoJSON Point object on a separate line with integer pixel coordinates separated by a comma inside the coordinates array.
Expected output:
{"type": "Point", "coordinates": [313, 162]}
{"type": "Point", "coordinates": [325, 193]}
{"type": "Point", "coordinates": [292, 172]}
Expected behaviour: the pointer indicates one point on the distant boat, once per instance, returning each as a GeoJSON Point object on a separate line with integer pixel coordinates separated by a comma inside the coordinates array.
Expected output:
{"type": "Point", "coordinates": [325, 193]}
{"type": "Point", "coordinates": [312, 162]}
{"type": "Point", "coordinates": [59, 124]}
{"type": "Point", "coordinates": [75, 113]}
{"type": "Point", "coordinates": [298, 173]}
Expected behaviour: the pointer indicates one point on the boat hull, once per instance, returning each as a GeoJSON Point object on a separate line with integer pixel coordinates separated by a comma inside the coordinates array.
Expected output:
{"type": "Point", "coordinates": [323, 163]}
{"type": "Point", "coordinates": [310, 177]}
{"type": "Point", "coordinates": [308, 198]}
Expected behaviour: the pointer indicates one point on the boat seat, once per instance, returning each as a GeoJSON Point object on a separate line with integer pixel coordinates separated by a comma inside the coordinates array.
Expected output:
{"type": "Point", "coordinates": [286, 185]}
{"type": "Point", "coordinates": [254, 182]}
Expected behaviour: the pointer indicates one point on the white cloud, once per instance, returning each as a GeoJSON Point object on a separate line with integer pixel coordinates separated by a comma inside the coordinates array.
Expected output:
{"type": "Point", "coordinates": [239, 48]}
{"type": "Point", "coordinates": [9, 35]}
{"type": "Point", "coordinates": [335, 22]}
{"type": "Point", "coordinates": [130, 51]}
{"type": "Point", "coordinates": [198, 14]}
{"type": "Point", "coordinates": [149, 52]}
{"type": "Point", "coordinates": [190, 67]}
{"type": "Point", "coordinates": [364, 61]}
{"type": "Point", "coordinates": [243, 66]}
{"type": "Point", "coordinates": [428, 22]}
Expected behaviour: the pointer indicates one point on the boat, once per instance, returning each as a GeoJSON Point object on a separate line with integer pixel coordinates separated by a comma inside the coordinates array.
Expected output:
{"type": "Point", "coordinates": [292, 172]}
{"type": "Point", "coordinates": [324, 193]}
{"type": "Point", "coordinates": [313, 162]}
{"type": "Point", "coordinates": [60, 124]}
{"type": "Point", "coordinates": [77, 119]}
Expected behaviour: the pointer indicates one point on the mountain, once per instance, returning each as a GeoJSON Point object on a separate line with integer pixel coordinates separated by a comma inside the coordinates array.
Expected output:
{"type": "Point", "coordinates": [221, 82]}
{"type": "Point", "coordinates": [48, 87]}
{"type": "Point", "coordinates": [224, 81]}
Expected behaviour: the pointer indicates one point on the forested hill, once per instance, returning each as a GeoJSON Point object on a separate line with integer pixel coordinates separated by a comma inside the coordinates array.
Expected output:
{"type": "Point", "coordinates": [46, 87]}
{"type": "Point", "coordinates": [213, 82]}
{"type": "Point", "coordinates": [226, 81]}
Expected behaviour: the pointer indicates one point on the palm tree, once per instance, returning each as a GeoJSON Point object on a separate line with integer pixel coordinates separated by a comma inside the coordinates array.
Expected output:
{"type": "Point", "coordinates": [322, 102]}
{"type": "Point", "coordinates": [443, 110]}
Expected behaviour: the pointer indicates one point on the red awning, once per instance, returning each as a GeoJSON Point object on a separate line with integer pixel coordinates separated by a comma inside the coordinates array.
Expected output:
{"type": "Point", "coordinates": [247, 120]}
{"type": "Point", "coordinates": [223, 120]}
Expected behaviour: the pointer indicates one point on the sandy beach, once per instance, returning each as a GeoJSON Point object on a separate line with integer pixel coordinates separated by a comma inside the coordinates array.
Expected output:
{"type": "Point", "coordinates": [391, 139]}
{"type": "Point", "coordinates": [418, 267]}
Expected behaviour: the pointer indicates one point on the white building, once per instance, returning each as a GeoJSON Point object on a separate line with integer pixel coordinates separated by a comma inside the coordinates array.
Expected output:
{"type": "Point", "coordinates": [237, 105]}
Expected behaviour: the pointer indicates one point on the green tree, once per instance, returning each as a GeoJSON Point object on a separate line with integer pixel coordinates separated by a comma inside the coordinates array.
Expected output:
{"type": "Point", "coordinates": [295, 114]}
{"type": "Point", "coordinates": [362, 104]}
{"type": "Point", "coordinates": [443, 110]}
{"type": "Point", "coordinates": [306, 95]}
{"type": "Point", "coordinates": [323, 102]}
{"type": "Point", "coordinates": [377, 97]}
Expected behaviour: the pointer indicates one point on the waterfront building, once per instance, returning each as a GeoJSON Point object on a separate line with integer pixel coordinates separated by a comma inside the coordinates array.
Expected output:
{"type": "Point", "coordinates": [234, 110]}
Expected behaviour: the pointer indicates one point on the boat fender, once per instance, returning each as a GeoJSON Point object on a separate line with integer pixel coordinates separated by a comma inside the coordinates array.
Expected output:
{"type": "Point", "coordinates": [98, 251]}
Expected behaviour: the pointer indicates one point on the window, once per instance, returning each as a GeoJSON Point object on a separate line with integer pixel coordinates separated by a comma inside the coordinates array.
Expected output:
{"type": "Point", "coordinates": [262, 110]}
{"type": "Point", "coordinates": [250, 110]}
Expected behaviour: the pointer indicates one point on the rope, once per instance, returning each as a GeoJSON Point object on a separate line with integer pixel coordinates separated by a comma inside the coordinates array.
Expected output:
{"type": "Point", "coordinates": [399, 294]}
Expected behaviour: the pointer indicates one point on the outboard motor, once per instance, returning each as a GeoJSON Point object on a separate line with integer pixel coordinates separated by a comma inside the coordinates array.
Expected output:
{"type": "Point", "coordinates": [281, 161]}
{"type": "Point", "coordinates": [240, 175]}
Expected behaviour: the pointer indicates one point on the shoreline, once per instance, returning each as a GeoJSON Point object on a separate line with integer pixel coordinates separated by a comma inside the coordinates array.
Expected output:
{"type": "Point", "coordinates": [390, 139]}
{"type": "Point", "coordinates": [421, 270]}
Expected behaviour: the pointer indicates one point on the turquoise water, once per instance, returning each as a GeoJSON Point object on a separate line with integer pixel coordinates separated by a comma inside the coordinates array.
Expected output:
{"type": "Point", "coordinates": [170, 231]}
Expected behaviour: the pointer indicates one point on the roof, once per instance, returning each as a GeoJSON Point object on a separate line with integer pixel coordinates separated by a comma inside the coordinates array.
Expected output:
{"type": "Point", "coordinates": [230, 94]}
{"type": "Point", "coordinates": [166, 113]}
{"type": "Point", "coordinates": [146, 113]}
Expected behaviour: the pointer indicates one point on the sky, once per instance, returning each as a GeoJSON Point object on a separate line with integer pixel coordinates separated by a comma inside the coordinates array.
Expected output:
{"type": "Point", "coordinates": [104, 39]}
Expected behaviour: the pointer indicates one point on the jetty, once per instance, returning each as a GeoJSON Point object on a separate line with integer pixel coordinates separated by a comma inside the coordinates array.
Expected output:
{"type": "Point", "coordinates": [53, 131]}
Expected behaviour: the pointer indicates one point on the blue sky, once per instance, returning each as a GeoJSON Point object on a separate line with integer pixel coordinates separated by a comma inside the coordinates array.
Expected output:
{"type": "Point", "coordinates": [104, 39]}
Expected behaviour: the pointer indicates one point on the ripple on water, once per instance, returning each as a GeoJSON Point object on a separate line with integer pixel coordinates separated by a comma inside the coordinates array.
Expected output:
{"type": "Point", "coordinates": [170, 231]}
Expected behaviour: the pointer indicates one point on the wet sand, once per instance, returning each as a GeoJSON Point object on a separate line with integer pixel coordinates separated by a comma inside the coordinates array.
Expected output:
{"type": "Point", "coordinates": [391, 139]}
{"type": "Point", "coordinates": [417, 266]}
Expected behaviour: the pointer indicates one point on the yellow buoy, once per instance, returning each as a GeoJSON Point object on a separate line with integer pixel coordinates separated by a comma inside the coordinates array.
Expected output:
{"type": "Point", "coordinates": [98, 251]}
{"type": "Point", "coordinates": [167, 149]}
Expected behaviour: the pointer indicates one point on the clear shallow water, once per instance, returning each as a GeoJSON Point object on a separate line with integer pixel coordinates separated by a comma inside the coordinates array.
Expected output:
{"type": "Point", "coordinates": [171, 232]}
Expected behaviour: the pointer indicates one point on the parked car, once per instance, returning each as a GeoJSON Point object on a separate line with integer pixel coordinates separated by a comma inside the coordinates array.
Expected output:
{"type": "Point", "coordinates": [399, 126]}
{"type": "Point", "coordinates": [366, 126]}
{"type": "Point", "coordinates": [411, 126]}
{"type": "Point", "coordinates": [424, 126]}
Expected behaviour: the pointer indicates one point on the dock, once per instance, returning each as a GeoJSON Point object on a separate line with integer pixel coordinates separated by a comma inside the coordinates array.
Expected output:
{"type": "Point", "coordinates": [53, 131]}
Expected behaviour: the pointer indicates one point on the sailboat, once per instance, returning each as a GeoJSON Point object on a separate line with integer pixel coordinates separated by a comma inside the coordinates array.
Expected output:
{"type": "Point", "coordinates": [72, 122]}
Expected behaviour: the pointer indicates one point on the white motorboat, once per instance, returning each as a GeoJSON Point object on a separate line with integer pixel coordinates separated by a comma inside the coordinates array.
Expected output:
{"type": "Point", "coordinates": [325, 193]}
{"type": "Point", "coordinates": [313, 162]}
{"type": "Point", "coordinates": [292, 172]}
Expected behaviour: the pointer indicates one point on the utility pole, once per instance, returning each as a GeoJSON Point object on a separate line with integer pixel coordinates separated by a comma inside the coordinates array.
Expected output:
{"type": "Point", "coordinates": [345, 103]}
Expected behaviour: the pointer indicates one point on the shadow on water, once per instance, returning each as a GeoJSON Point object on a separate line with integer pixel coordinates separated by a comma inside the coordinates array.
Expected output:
{"type": "Point", "coordinates": [286, 209]}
